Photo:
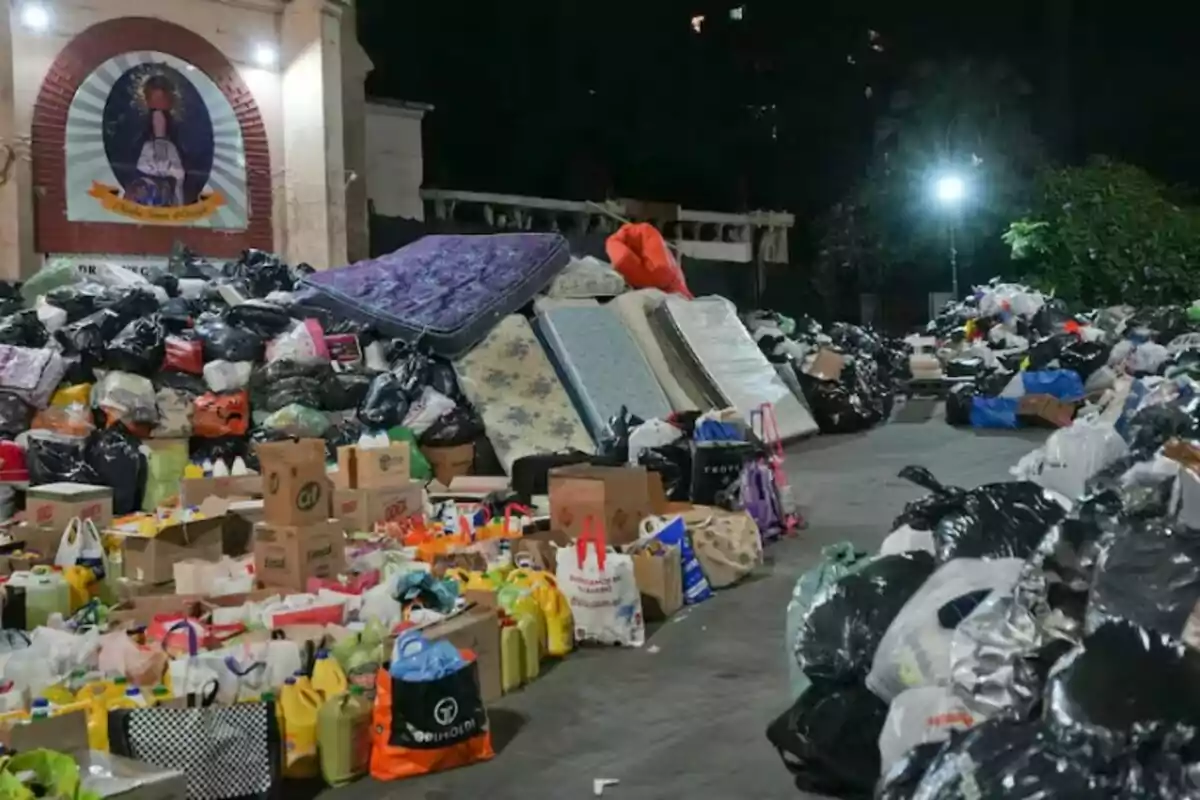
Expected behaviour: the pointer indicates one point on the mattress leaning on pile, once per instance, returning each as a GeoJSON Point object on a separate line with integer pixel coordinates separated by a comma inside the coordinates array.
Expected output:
{"type": "Point", "coordinates": [446, 291]}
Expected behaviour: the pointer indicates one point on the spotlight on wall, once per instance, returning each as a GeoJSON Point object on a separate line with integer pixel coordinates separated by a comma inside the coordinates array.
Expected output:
{"type": "Point", "coordinates": [35, 16]}
{"type": "Point", "coordinates": [265, 55]}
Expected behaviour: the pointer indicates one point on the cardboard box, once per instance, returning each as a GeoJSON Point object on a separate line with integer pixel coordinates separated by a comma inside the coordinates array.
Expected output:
{"type": "Point", "coordinates": [535, 551]}
{"type": "Point", "coordinates": [40, 539]}
{"type": "Point", "coordinates": [618, 497]}
{"type": "Point", "coordinates": [449, 463]}
{"type": "Point", "coordinates": [53, 505]}
{"type": "Point", "coordinates": [660, 581]}
{"type": "Point", "coordinates": [477, 629]}
{"type": "Point", "coordinates": [373, 467]}
{"type": "Point", "coordinates": [296, 490]}
{"type": "Point", "coordinates": [240, 519]}
{"type": "Point", "coordinates": [194, 491]}
{"type": "Point", "coordinates": [359, 509]}
{"type": "Point", "coordinates": [66, 733]}
{"type": "Point", "coordinates": [288, 555]}
{"type": "Point", "coordinates": [141, 610]}
{"type": "Point", "coordinates": [1045, 410]}
{"type": "Point", "coordinates": [152, 559]}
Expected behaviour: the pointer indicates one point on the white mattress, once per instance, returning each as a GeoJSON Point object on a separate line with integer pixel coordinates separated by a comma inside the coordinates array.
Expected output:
{"type": "Point", "coordinates": [632, 308]}
{"type": "Point", "coordinates": [733, 363]}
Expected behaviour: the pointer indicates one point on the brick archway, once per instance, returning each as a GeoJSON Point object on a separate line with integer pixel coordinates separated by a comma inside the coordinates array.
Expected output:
{"type": "Point", "coordinates": [54, 233]}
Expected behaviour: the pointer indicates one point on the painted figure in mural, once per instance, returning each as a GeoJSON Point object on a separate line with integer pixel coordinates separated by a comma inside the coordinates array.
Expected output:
{"type": "Point", "coordinates": [160, 165]}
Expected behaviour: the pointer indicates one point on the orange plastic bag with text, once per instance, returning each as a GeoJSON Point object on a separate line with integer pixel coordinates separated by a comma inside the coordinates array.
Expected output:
{"type": "Point", "coordinates": [219, 415]}
{"type": "Point", "coordinates": [429, 726]}
{"type": "Point", "coordinates": [638, 251]}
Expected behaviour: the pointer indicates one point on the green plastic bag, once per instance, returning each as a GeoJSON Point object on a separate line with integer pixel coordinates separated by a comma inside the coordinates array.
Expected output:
{"type": "Point", "coordinates": [419, 469]}
{"type": "Point", "coordinates": [165, 464]}
{"type": "Point", "coordinates": [54, 775]}
{"type": "Point", "coordinates": [55, 275]}
{"type": "Point", "coordinates": [360, 655]}
{"type": "Point", "coordinates": [837, 561]}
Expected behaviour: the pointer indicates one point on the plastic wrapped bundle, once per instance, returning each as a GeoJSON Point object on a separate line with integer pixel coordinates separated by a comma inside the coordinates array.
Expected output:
{"type": "Point", "coordinates": [999, 520]}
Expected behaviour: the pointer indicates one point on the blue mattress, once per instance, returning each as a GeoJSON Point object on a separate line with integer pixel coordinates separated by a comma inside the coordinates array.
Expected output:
{"type": "Point", "coordinates": [601, 364]}
{"type": "Point", "coordinates": [446, 291]}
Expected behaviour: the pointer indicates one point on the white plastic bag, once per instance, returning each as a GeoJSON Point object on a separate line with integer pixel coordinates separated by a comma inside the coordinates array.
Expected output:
{"type": "Point", "coordinates": [81, 546]}
{"type": "Point", "coordinates": [915, 651]}
{"type": "Point", "coordinates": [919, 716]}
{"type": "Point", "coordinates": [431, 406]}
{"type": "Point", "coordinates": [601, 589]}
{"type": "Point", "coordinates": [1074, 454]}
{"type": "Point", "coordinates": [298, 344]}
{"type": "Point", "coordinates": [227, 376]}
{"type": "Point", "coordinates": [650, 434]}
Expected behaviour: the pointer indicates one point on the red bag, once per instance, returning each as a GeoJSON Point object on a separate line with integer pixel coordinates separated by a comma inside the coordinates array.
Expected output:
{"type": "Point", "coordinates": [356, 583]}
{"type": "Point", "coordinates": [180, 635]}
{"type": "Point", "coordinates": [184, 355]}
{"type": "Point", "coordinates": [218, 415]}
{"type": "Point", "coordinates": [638, 251]}
{"type": "Point", "coordinates": [322, 614]}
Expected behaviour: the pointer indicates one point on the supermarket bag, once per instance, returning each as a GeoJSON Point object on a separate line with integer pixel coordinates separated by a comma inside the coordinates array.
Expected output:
{"type": "Point", "coordinates": [430, 725]}
{"type": "Point", "coordinates": [81, 546]}
{"type": "Point", "coordinates": [223, 751]}
{"type": "Point", "coordinates": [602, 591]}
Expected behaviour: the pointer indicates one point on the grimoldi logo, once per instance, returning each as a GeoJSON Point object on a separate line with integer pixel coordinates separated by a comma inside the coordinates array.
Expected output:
{"type": "Point", "coordinates": [308, 496]}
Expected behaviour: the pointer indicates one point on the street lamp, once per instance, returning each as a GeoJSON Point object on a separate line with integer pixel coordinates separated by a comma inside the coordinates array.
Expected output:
{"type": "Point", "coordinates": [950, 191]}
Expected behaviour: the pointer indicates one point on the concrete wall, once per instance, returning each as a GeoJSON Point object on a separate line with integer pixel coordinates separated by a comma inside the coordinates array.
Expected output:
{"type": "Point", "coordinates": [395, 163]}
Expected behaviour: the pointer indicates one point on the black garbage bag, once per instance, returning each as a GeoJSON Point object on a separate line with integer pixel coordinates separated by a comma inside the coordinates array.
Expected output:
{"type": "Point", "coordinates": [129, 304]}
{"type": "Point", "coordinates": [346, 389]}
{"type": "Point", "coordinates": [616, 440]}
{"type": "Point", "coordinates": [441, 379]}
{"type": "Point", "coordinates": [262, 272]}
{"type": "Point", "coordinates": [1044, 353]}
{"type": "Point", "coordinates": [1149, 576]}
{"type": "Point", "coordinates": [900, 782]}
{"type": "Point", "coordinates": [115, 454]}
{"type": "Point", "coordinates": [1123, 678]}
{"type": "Point", "coordinates": [1163, 323]}
{"type": "Point", "coordinates": [281, 383]}
{"type": "Point", "coordinates": [1084, 358]}
{"type": "Point", "coordinates": [829, 739]}
{"type": "Point", "coordinates": [226, 342]}
{"type": "Point", "coordinates": [15, 415]}
{"type": "Point", "coordinates": [23, 329]}
{"type": "Point", "coordinates": [673, 463]}
{"type": "Point", "coordinates": [836, 408]}
{"type": "Point", "coordinates": [78, 300]}
{"type": "Point", "coordinates": [265, 319]}
{"type": "Point", "coordinates": [997, 520]}
{"type": "Point", "coordinates": [925, 513]}
{"type": "Point", "coordinates": [958, 404]}
{"type": "Point", "coordinates": [412, 373]}
{"type": "Point", "coordinates": [1051, 317]}
{"type": "Point", "coordinates": [85, 341]}
{"type": "Point", "coordinates": [167, 282]}
{"type": "Point", "coordinates": [139, 347]}
{"type": "Point", "coordinates": [840, 632]}
{"type": "Point", "coordinates": [386, 402]}
{"type": "Point", "coordinates": [965, 368]}
{"type": "Point", "coordinates": [1151, 427]}
{"type": "Point", "coordinates": [458, 427]}
{"type": "Point", "coordinates": [341, 434]}
{"type": "Point", "coordinates": [183, 263]}
{"type": "Point", "coordinates": [10, 298]}
{"type": "Point", "coordinates": [1017, 760]}
{"type": "Point", "coordinates": [52, 458]}
{"type": "Point", "coordinates": [180, 382]}
{"type": "Point", "coordinates": [716, 468]}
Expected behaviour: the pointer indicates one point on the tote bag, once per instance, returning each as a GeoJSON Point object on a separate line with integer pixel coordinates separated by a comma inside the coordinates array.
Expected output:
{"type": "Point", "coordinates": [601, 590]}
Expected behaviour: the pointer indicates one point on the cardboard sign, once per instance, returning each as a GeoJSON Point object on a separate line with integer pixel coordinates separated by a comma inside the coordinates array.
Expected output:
{"type": "Point", "coordinates": [359, 509]}
{"type": "Point", "coordinates": [288, 555]}
{"type": "Point", "coordinates": [449, 463]}
{"type": "Point", "coordinates": [53, 505]}
{"type": "Point", "coordinates": [296, 490]}
{"type": "Point", "coordinates": [152, 559]}
{"type": "Point", "coordinates": [373, 467]}
{"type": "Point", "coordinates": [617, 497]}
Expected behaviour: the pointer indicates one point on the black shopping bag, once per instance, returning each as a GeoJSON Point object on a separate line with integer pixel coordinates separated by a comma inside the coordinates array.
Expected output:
{"type": "Point", "coordinates": [224, 751]}
{"type": "Point", "coordinates": [716, 467]}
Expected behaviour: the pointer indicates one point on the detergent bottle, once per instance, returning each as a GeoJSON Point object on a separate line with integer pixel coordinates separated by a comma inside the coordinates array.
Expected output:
{"type": "Point", "coordinates": [560, 625]}
{"type": "Point", "coordinates": [300, 709]}
{"type": "Point", "coordinates": [328, 679]}
{"type": "Point", "coordinates": [512, 655]}
{"type": "Point", "coordinates": [160, 694]}
{"type": "Point", "coordinates": [344, 737]}
{"type": "Point", "coordinates": [39, 709]}
{"type": "Point", "coordinates": [132, 698]}
{"type": "Point", "coordinates": [46, 592]}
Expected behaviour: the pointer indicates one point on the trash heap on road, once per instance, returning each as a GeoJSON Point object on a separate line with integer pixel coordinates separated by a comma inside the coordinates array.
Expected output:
{"type": "Point", "coordinates": [1032, 638]}
{"type": "Point", "coordinates": [335, 516]}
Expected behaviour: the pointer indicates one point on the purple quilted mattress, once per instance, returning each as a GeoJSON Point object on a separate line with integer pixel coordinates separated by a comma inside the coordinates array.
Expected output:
{"type": "Point", "coordinates": [447, 291]}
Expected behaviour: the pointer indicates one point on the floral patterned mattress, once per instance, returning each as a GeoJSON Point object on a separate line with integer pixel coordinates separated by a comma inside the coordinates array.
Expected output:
{"type": "Point", "coordinates": [523, 405]}
{"type": "Point", "coordinates": [447, 291]}
{"type": "Point", "coordinates": [729, 357]}
{"type": "Point", "coordinates": [602, 365]}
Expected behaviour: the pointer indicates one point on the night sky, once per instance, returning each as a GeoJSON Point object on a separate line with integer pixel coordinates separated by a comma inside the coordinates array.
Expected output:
{"type": "Point", "coordinates": [772, 103]}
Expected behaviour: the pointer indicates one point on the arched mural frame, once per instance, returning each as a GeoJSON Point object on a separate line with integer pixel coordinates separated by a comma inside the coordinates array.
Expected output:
{"type": "Point", "coordinates": [54, 232]}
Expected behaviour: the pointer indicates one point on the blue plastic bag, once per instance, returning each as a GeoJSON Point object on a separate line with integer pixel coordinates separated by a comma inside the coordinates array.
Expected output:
{"type": "Point", "coordinates": [1063, 384]}
{"type": "Point", "coordinates": [695, 585]}
{"type": "Point", "coordinates": [415, 659]}
{"type": "Point", "coordinates": [994, 412]}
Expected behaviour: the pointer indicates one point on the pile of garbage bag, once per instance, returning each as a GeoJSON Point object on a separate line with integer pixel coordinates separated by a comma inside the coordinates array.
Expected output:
{"type": "Point", "coordinates": [96, 363]}
{"type": "Point", "coordinates": [848, 374]}
{"type": "Point", "coordinates": [1049, 646]}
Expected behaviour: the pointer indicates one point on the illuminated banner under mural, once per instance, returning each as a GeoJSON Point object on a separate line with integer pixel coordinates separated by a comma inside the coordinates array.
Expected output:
{"type": "Point", "coordinates": [151, 140]}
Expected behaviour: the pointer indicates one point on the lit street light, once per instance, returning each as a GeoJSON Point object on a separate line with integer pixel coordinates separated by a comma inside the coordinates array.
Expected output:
{"type": "Point", "coordinates": [950, 191]}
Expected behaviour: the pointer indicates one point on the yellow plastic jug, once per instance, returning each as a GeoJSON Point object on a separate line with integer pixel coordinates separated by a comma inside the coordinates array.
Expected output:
{"type": "Point", "coordinates": [560, 625]}
{"type": "Point", "coordinates": [58, 694]}
{"type": "Point", "coordinates": [344, 737]}
{"type": "Point", "coordinates": [512, 656]}
{"type": "Point", "coordinates": [131, 699]}
{"type": "Point", "coordinates": [328, 679]}
{"type": "Point", "coordinates": [10, 717]}
{"type": "Point", "coordinates": [531, 642]}
{"type": "Point", "coordinates": [301, 707]}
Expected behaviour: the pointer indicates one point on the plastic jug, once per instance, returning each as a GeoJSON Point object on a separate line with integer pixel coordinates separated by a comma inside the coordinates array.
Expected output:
{"type": "Point", "coordinates": [531, 642]}
{"type": "Point", "coordinates": [344, 737]}
{"type": "Point", "coordinates": [46, 593]}
{"type": "Point", "coordinates": [273, 699]}
{"type": "Point", "coordinates": [131, 699]}
{"type": "Point", "coordinates": [301, 707]}
{"type": "Point", "coordinates": [560, 625]}
{"type": "Point", "coordinates": [512, 655]}
{"type": "Point", "coordinates": [328, 679]}
{"type": "Point", "coordinates": [159, 695]}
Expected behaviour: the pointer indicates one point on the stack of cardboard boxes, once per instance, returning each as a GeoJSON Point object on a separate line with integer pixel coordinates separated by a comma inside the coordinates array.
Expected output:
{"type": "Point", "coordinates": [297, 539]}
{"type": "Point", "coordinates": [374, 485]}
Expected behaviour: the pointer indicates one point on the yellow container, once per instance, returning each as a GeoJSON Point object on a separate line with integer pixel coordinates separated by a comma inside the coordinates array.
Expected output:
{"type": "Point", "coordinates": [10, 717]}
{"type": "Point", "coordinates": [531, 641]}
{"type": "Point", "coordinates": [560, 625]}
{"type": "Point", "coordinates": [344, 737]}
{"type": "Point", "coordinates": [328, 679]}
{"type": "Point", "coordinates": [301, 707]}
{"type": "Point", "coordinates": [131, 699]}
{"type": "Point", "coordinates": [512, 657]}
